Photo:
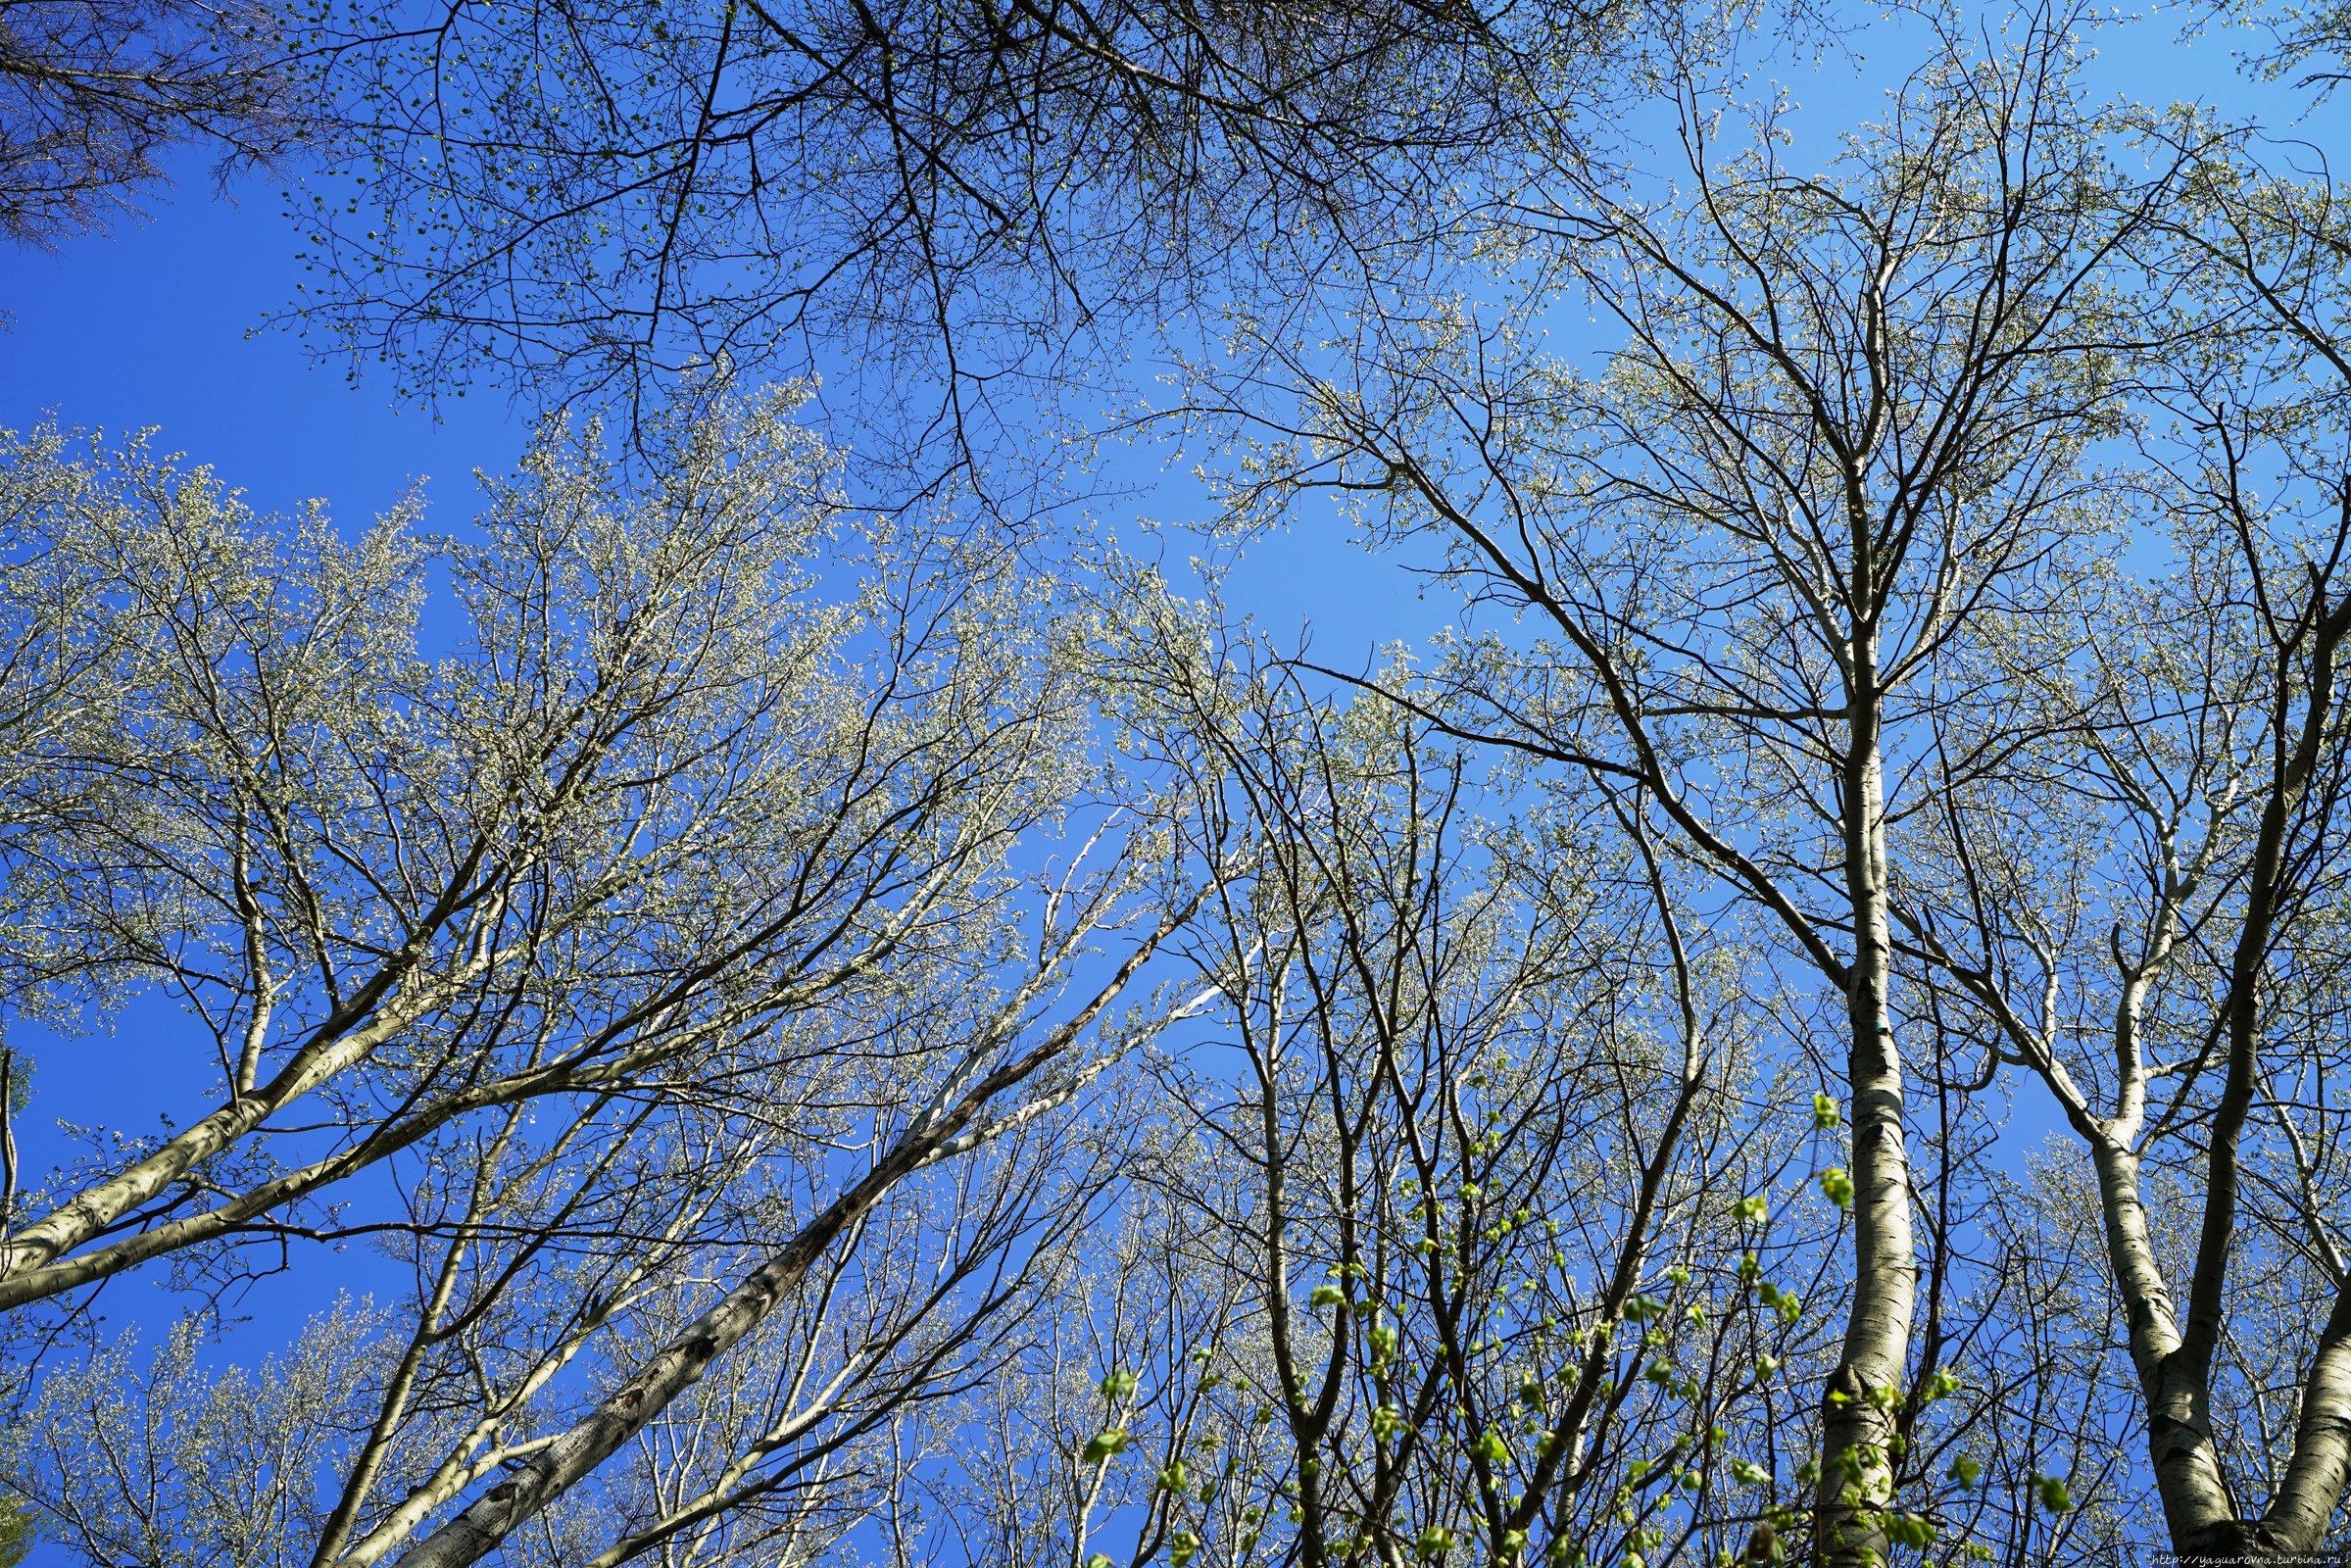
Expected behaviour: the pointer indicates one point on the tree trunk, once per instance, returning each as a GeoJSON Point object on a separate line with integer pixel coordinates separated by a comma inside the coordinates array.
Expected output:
{"type": "Point", "coordinates": [2187, 1469]}
{"type": "Point", "coordinates": [1857, 1432]}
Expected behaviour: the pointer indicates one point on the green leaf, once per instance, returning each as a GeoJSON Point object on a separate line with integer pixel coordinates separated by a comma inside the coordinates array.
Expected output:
{"type": "Point", "coordinates": [1909, 1530]}
{"type": "Point", "coordinates": [1108, 1444]}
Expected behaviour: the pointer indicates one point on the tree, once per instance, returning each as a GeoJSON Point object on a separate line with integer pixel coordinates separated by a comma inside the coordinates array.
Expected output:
{"type": "Point", "coordinates": [540, 932]}
{"type": "Point", "coordinates": [200, 1469]}
{"type": "Point", "coordinates": [1454, 1213]}
{"type": "Point", "coordinates": [1576, 1111]}
{"type": "Point", "coordinates": [93, 92]}
{"type": "Point", "coordinates": [778, 1443]}
{"type": "Point", "coordinates": [2200, 753]}
{"type": "Point", "coordinates": [578, 810]}
{"type": "Point", "coordinates": [1844, 446]}
{"type": "Point", "coordinates": [975, 202]}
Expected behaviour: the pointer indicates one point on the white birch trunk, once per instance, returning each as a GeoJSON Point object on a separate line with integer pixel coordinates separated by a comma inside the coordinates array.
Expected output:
{"type": "Point", "coordinates": [1856, 1433]}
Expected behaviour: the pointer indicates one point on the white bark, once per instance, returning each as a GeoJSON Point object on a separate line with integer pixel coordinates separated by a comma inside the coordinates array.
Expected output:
{"type": "Point", "coordinates": [1857, 1430]}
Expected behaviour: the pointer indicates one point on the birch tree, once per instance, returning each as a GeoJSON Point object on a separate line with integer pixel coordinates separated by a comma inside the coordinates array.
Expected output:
{"type": "Point", "coordinates": [1484, 1219]}
{"type": "Point", "coordinates": [1846, 433]}
{"type": "Point", "coordinates": [676, 874]}
{"type": "Point", "coordinates": [404, 1405]}
{"type": "Point", "coordinates": [2188, 925]}
{"type": "Point", "coordinates": [645, 810]}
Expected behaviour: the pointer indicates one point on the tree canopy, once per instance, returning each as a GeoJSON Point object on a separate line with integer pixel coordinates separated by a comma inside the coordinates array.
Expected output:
{"type": "Point", "coordinates": [852, 1015]}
